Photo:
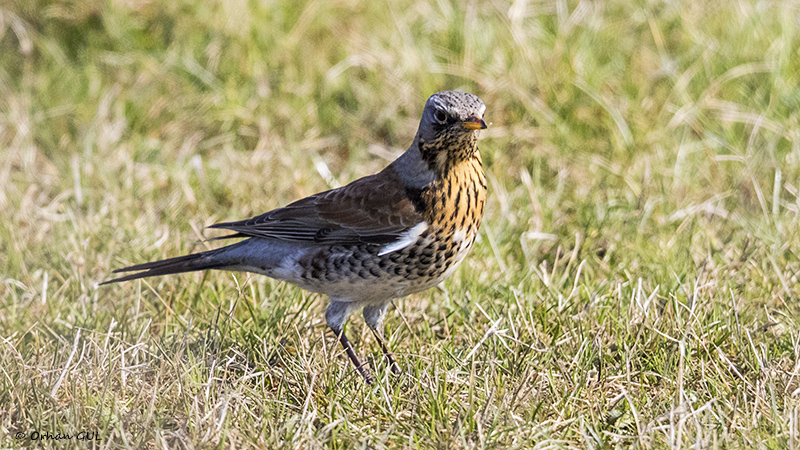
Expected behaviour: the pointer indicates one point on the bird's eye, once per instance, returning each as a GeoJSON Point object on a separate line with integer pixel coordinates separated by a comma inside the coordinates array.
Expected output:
{"type": "Point", "coordinates": [440, 116]}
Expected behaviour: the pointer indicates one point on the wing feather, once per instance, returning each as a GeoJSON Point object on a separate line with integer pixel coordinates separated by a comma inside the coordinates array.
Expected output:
{"type": "Point", "coordinates": [371, 210]}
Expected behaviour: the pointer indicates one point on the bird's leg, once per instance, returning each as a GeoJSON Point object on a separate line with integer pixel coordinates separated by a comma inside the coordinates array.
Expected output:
{"type": "Point", "coordinates": [351, 353]}
{"type": "Point", "coordinates": [386, 353]}
{"type": "Point", "coordinates": [335, 316]}
{"type": "Point", "coordinates": [373, 316]}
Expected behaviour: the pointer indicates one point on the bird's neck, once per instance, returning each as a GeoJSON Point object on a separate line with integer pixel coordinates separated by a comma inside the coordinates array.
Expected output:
{"type": "Point", "coordinates": [425, 162]}
{"type": "Point", "coordinates": [413, 170]}
{"type": "Point", "coordinates": [433, 185]}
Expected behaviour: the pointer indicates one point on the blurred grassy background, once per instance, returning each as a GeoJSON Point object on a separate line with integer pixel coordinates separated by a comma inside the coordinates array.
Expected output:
{"type": "Point", "coordinates": [635, 282]}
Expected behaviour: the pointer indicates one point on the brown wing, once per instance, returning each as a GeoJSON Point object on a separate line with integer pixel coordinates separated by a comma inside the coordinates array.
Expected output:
{"type": "Point", "coordinates": [370, 210]}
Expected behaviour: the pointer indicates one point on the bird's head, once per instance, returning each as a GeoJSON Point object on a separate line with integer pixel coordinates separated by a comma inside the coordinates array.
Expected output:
{"type": "Point", "coordinates": [449, 127]}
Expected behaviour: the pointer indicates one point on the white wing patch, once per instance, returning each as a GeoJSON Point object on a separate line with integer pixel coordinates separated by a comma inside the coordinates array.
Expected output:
{"type": "Point", "coordinates": [459, 235]}
{"type": "Point", "coordinates": [408, 238]}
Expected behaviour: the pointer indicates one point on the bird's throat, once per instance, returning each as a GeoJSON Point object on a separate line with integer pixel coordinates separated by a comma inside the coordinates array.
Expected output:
{"type": "Point", "coordinates": [456, 198]}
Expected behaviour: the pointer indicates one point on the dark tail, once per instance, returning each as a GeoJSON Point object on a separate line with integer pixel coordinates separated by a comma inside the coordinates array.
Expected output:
{"type": "Point", "coordinates": [189, 263]}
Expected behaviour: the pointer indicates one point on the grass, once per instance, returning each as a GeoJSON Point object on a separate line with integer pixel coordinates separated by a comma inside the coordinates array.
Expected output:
{"type": "Point", "coordinates": [635, 281]}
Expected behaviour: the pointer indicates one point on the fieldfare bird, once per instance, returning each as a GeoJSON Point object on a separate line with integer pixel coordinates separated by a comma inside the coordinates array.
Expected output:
{"type": "Point", "coordinates": [381, 237]}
